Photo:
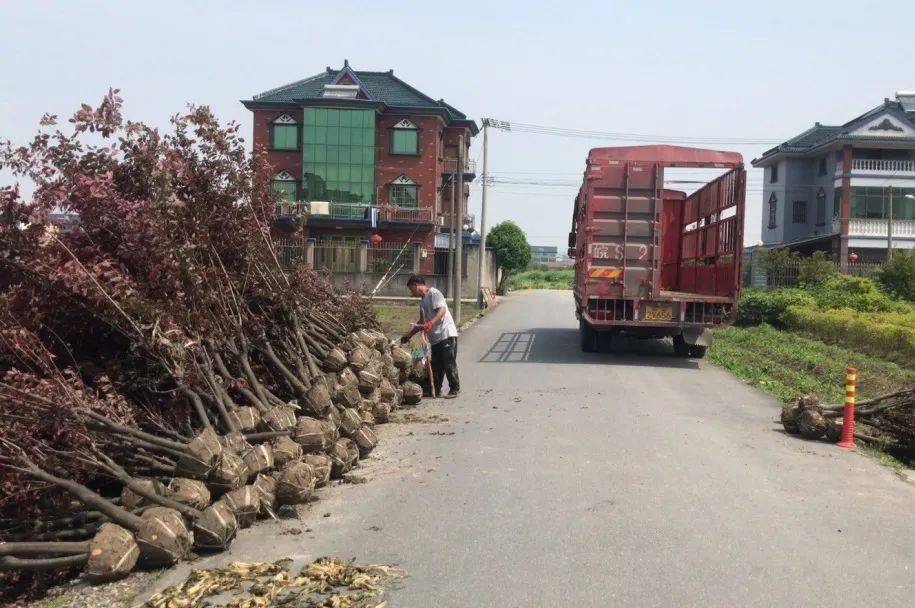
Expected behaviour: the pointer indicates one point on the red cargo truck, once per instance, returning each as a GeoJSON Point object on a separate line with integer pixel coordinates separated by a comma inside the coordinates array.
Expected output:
{"type": "Point", "coordinates": [652, 262]}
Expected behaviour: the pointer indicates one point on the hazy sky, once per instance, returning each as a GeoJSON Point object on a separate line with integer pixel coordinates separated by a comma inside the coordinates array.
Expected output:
{"type": "Point", "coordinates": [696, 69]}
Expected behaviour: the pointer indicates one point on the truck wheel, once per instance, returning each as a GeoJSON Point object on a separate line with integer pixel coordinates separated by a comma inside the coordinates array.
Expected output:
{"type": "Point", "coordinates": [588, 337]}
{"type": "Point", "coordinates": [604, 341]}
{"type": "Point", "coordinates": [681, 348]}
{"type": "Point", "coordinates": [697, 352]}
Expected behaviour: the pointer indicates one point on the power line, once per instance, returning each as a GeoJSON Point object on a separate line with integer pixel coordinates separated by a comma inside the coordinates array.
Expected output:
{"type": "Point", "coordinates": [520, 127]}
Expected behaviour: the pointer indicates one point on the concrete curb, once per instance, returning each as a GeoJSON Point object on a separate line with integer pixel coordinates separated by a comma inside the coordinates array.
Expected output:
{"type": "Point", "coordinates": [469, 322]}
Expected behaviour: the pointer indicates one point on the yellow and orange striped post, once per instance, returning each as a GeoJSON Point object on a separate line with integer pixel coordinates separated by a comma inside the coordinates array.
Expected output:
{"type": "Point", "coordinates": [848, 415]}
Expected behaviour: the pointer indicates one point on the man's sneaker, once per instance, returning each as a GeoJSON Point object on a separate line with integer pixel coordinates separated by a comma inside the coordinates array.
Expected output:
{"type": "Point", "coordinates": [450, 395]}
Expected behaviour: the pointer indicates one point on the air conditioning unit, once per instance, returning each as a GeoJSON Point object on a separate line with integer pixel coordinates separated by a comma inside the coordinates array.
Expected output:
{"type": "Point", "coordinates": [320, 208]}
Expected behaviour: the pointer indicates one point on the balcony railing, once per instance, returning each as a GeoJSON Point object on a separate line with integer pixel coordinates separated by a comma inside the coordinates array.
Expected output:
{"type": "Point", "coordinates": [878, 227]}
{"type": "Point", "coordinates": [450, 166]}
{"type": "Point", "coordinates": [879, 165]}
{"type": "Point", "coordinates": [355, 211]}
{"type": "Point", "coordinates": [390, 213]}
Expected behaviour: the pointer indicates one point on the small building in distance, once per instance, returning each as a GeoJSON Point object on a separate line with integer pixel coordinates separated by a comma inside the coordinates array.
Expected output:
{"type": "Point", "coordinates": [544, 254]}
{"type": "Point", "coordinates": [831, 187]}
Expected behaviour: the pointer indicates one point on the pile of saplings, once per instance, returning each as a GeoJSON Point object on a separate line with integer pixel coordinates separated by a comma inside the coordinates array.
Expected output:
{"type": "Point", "coordinates": [164, 378]}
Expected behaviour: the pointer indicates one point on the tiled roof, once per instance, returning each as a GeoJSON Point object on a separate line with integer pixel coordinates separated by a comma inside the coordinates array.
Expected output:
{"type": "Point", "coordinates": [382, 87]}
{"type": "Point", "coordinates": [819, 135]}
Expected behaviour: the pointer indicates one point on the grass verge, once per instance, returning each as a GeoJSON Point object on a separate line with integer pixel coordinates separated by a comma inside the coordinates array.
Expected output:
{"type": "Point", "coordinates": [787, 365]}
{"type": "Point", "coordinates": [550, 278]}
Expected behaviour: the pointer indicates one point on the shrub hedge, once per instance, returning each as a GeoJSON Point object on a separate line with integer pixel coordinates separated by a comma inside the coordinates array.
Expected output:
{"type": "Point", "coordinates": [890, 336]}
{"type": "Point", "coordinates": [758, 306]}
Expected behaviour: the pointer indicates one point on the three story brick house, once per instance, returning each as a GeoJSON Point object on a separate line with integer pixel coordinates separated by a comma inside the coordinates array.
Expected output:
{"type": "Point", "coordinates": [361, 155]}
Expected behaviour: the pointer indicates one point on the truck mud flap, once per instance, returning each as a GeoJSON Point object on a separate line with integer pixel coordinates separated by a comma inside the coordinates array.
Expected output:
{"type": "Point", "coordinates": [697, 336]}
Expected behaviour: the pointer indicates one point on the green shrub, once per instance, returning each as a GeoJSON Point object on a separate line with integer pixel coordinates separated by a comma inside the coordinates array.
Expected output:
{"type": "Point", "coordinates": [890, 336]}
{"type": "Point", "coordinates": [857, 293]}
{"type": "Point", "coordinates": [815, 269]}
{"type": "Point", "coordinates": [897, 275]}
{"type": "Point", "coordinates": [758, 306]}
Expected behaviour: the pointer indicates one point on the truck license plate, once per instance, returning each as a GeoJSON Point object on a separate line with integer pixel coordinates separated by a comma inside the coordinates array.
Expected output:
{"type": "Point", "coordinates": [658, 313]}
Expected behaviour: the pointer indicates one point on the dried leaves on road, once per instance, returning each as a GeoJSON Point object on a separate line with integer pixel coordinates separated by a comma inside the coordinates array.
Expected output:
{"type": "Point", "coordinates": [326, 582]}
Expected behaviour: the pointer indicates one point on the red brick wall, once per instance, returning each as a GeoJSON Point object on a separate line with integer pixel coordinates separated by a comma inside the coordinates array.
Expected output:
{"type": "Point", "coordinates": [424, 169]}
{"type": "Point", "coordinates": [290, 160]}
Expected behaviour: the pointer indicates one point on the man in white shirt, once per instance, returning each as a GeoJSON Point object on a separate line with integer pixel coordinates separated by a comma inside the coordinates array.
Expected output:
{"type": "Point", "coordinates": [435, 319]}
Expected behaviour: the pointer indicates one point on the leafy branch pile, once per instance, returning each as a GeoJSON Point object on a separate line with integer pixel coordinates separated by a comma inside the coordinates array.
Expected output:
{"type": "Point", "coordinates": [163, 379]}
{"type": "Point", "coordinates": [886, 422]}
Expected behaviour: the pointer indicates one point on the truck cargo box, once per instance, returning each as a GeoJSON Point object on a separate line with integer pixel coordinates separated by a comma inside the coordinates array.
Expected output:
{"type": "Point", "coordinates": [655, 262]}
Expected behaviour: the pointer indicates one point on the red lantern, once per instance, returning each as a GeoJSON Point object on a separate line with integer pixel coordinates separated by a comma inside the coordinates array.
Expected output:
{"type": "Point", "coordinates": [375, 239]}
{"type": "Point", "coordinates": [853, 257]}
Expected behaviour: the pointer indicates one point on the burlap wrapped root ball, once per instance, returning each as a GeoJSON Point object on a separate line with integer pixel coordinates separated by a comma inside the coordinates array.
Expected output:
{"type": "Point", "coordinates": [811, 424]}
{"type": "Point", "coordinates": [317, 399]}
{"type": "Point", "coordinates": [311, 434]}
{"type": "Point", "coordinates": [190, 492]}
{"type": "Point", "coordinates": [200, 456]}
{"type": "Point", "coordinates": [834, 429]}
{"type": "Point", "coordinates": [381, 412]}
{"type": "Point", "coordinates": [321, 463]}
{"type": "Point", "coordinates": [402, 359]}
{"type": "Point", "coordinates": [245, 504]}
{"type": "Point", "coordinates": [279, 418]}
{"type": "Point", "coordinates": [258, 459]}
{"type": "Point", "coordinates": [348, 396]}
{"type": "Point", "coordinates": [130, 500]}
{"type": "Point", "coordinates": [350, 421]}
{"type": "Point", "coordinates": [285, 451]}
{"type": "Point", "coordinates": [344, 455]}
{"type": "Point", "coordinates": [266, 492]}
{"type": "Point", "coordinates": [230, 473]}
{"type": "Point", "coordinates": [360, 357]}
{"type": "Point", "coordinates": [215, 528]}
{"type": "Point", "coordinates": [412, 393]}
{"type": "Point", "coordinates": [368, 381]}
{"type": "Point", "coordinates": [335, 360]}
{"type": "Point", "coordinates": [365, 439]}
{"type": "Point", "coordinates": [246, 419]}
{"type": "Point", "coordinates": [163, 537]}
{"type": "Point", "coordinates": [295, 484]}
{"type": "Point", "coordinates": [113, 553]}
{"type": "Point", "coordinates": [235, 442]}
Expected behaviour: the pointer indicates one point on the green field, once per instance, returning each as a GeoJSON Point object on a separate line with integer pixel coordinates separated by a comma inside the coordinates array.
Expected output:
{"type": "Point", "coordinates": [787, 365]}
{"type": "Point", "coordinates": [541, 278]}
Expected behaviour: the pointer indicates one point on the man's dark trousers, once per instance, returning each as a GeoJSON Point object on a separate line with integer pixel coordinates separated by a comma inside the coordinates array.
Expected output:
{"type": "Point", "coordinates": [444, 363]}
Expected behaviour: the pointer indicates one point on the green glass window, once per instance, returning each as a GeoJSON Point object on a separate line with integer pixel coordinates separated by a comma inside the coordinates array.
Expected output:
{"type": "Point", "coordinates": [405, 141]}
{"type": "Point", "coordinates": [284, 137]}
{"type": "Point", "coordinates": [284, 189]}
{"type": "Point", "coordinates": [404, 195]}
{"type": "Point", "coordinates": [338, 155]}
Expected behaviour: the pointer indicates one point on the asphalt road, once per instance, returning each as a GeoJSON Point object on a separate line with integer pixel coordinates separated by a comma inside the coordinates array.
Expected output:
{"type": "Point", "coordinates": [625, 479]}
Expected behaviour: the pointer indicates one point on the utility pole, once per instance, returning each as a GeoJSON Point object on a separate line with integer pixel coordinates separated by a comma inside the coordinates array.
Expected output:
{"type": "Point", "coordinates": [889, 228]}
{"type": "Point", "coordinates": [482, 252]}
{"type": "Point", "coordinates": [459, 229]}
{"type": "Point", "coordinates": [450, 278]}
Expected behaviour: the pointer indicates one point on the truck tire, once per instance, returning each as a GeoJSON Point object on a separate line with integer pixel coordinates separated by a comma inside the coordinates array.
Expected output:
{"type": "Point", "coordinates": [588, 337]}
{"type": "Point", "coordinates": [681, 348]}
{"type": "Point", "coordinates": [697, 352]}
{"type": "Point", "coordinates": [604, 341]}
